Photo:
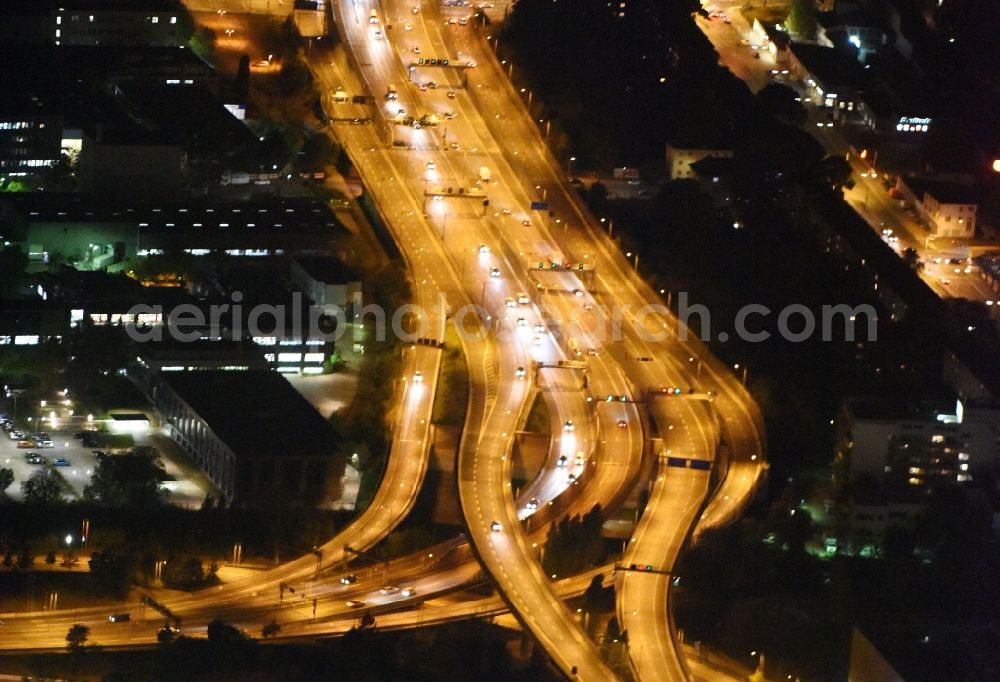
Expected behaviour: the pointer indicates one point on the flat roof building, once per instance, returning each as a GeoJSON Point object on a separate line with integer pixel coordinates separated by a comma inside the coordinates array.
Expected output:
{"type": "Point", "coordinates": [257, 439]}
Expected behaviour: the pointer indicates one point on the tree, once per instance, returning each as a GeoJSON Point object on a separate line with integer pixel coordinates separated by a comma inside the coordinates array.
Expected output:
{"type": "Point", "coordinates": [779, 101]}
{"type": "Point", "coordinates": [367, 622]}
{"type": "Point", "coordinates": [912, 258]}
{"type": "Point", "coordinates": [45, 486]}
{"type": "Point", "coordinates": [242, 85]}
{"type": "Point", "coordinates": [50, 557]}
{"type": "Point", "coordinates": [221, 632]}
{"type": "Point", "coordinates": [129, 481]}
{"type": "Point", "coordinates": [112, 572]}
{"type": "Point", "coordinates": [203, 43]}
{"type": "Point", "coordinates": [802, 18]}
{"type": "Point", "coordinates": [294, 78]}
{"type": "Point", "coordinates": [270, 629]}
{"type": "Point", "coordinates": [837, 170]}
{"type": "Point", "coordinates": [6, 479]}
{"type": "Point", "coordinates": [76, 637]}
{"type": "Point", "coordinates": [25, 559]}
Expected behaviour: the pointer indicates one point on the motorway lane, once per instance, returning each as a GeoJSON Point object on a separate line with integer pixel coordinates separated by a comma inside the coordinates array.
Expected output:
{"type": "Point", "coordinates": [743, 428]}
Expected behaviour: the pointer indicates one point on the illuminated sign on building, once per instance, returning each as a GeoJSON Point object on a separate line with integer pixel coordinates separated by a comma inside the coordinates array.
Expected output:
{"type": "Point", "coordinates": [909, 124]}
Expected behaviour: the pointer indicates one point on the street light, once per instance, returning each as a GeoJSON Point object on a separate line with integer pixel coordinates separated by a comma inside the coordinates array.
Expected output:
{"type": "Point", "coordinates": [569, 167]}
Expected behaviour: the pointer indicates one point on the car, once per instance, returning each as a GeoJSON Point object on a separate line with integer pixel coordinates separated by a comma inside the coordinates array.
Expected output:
{"type": "Point", "coordinates": [377, 35]}
{"type": "Point", "coordinates": [944, 281]}
{"type": "Point", "coordinates": [462, 21]}
{"type": "Point", "coordinates": [453, 145]}
{"type": "Point", "coordinates": [521, 322]}
{"type": "Point", "coordinates": [588, 306]}
{"type": "Point", "coordinates": [451, 94]}
{"type": "Point", "coordinates": [561, 462]}
{"type": "Point", "coordinates": [506, 211]}
{"type": "Point", "coordinates": [744, 42]}
{"type": "Point", "coordinates": [450, 115]}
{"type": "Point", "coordinates": [431, 166]}
{"type": "Point", "coordinates": [571, 478]}
{"type": "Point", "coordinates": [539, 328]}
{"type": "Point", "coordinates": [389, 589]}
{"type": "Point", "coordinates": [470, 65]}
{"type": "Point", "coordinates": [34, 458]}
{"type": "Point", "coordinates": [349, 579]}
{"type": "Point", "coordinates": [580, 458]}
{"type": "Point", "coordinates": [433, 85]}
{"type": "Point", "coordinates": [569, 426]}
{"type": "Point", "coordinates": [495, 273]}
{"type": "Point", "coordinates": [409, 591]}
{"type": "Point", "coordinates": [496, 527]}
{"type": "Point", "coordinates": [622, 424]}
{"type": "Point", "coordinates": [418, 377]}
{"type": "Point", "coordinates": [756, 55]}
{"type": "Point", "coordinates": [520, 373]}
{"type": "Point", "coordinates": [61, 462]}
{"type": "Point", "coordinates": [532, 504]}
{"type": "Point", "coordinates": [43, 443]}
{"type": "Point", "coordinates": [578, 292]}
{"type": "Point", "coordinates": [422, 87]}
{"type": "Point", "coordinates": [522, 299]}
{"type": "Point", "coordinates": [593, 352]}
{"type": "Point", "coordinates": [354, 603]}
{"type": "Point", "coordinates": [452, 20]}
{"type": "Point", "coordinates": [416, 49]}
{"type": "Point", "coordinates": [416, 9]}
{"type": "Point", "coordinates": [510, 303]}
{"type": "Point", "coordinates": [408, 27]}
{"type": "Point", "coordinates": [526, 222]}
{"type": "Point", "coordinates": [23, 444]}
{"type": "Point", "coordinates": [483, 248]}
{"type": "Point", "coordinates": [120, 618]}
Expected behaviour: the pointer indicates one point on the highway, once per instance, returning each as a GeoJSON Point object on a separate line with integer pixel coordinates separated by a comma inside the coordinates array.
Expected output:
{"type": "Point", "coordinates": [445, 253]}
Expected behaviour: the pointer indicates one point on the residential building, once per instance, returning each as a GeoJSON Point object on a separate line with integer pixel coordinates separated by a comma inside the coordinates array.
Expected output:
{"type": "Point", "coordinates": [855, 26]}
{"type": "Point", "coordinates": [680, 158]}
{"type": "Point", "coordinates": [949, 208]}
{"type": "Point", "coordinates": [774, 39]}
{"type": "Point", "coordinates": [253, 435]}
{"type": "Point", "coordinates": [832, 80]}
{"type": "Point", "coordinates": [911, 449]}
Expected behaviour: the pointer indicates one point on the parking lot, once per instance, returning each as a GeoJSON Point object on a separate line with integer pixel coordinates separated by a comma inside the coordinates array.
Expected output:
{"type": "Point", "coordinates": [184, 491]}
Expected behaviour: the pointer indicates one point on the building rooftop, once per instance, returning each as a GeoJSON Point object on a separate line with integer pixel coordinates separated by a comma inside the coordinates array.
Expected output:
{"type": "Point", "coordinates": [266, 212]}
{"type": "Point", "coordinates": [830, 66]}
{"type": "Point", "coordinates": [943, 191]}
{"type": "Point", "coordinates": [255, 413]}
{"type": "Point", "coordinates": [327, 269]}
{"type": "Point", "coordinates": [713, 167]}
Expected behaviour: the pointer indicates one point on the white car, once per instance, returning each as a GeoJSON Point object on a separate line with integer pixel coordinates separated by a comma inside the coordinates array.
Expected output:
{"type": "Point", "coordinates": [539, 328]}
{"type": "Point", "coordinates": [510, 303]}
{"type": "Point", "coordinates": [520, 373]}
{"type": "Point", "coordinates": [532, 504]}
{"type": "Point", "coordinates": [389, 589]}
{"type": "Point", "coordinates": [483, 248]}
{"type": "Point", "coordinates": [522, 299]}
{"type": "Point", "coordinates": [496, 527]}
{"type": "Point", "coordinates": [561, 462]}
{"type": "Point", "coordinates": [569, 426]}
{"type": "Point", "coordinates": [521, 322]}
{"type": "Point", "coordinates": [418, 377]}
{"type": "Point", "coordinates": [409, 591]}
{"type": "Point", "coordinates": [495, 273]}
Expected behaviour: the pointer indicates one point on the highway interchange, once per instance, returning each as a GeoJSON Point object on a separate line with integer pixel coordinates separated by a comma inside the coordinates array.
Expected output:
{"type": "Point", "coordinates": [462, 252]}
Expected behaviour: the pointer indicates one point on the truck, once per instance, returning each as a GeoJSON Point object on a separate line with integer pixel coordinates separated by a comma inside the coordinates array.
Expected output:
{"type": "Point", "coordinates": [484, 174]}
{"type": "Point", "coordinates": [373, 17]}
{"type": "Point", "coordinates": [390, 93]}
